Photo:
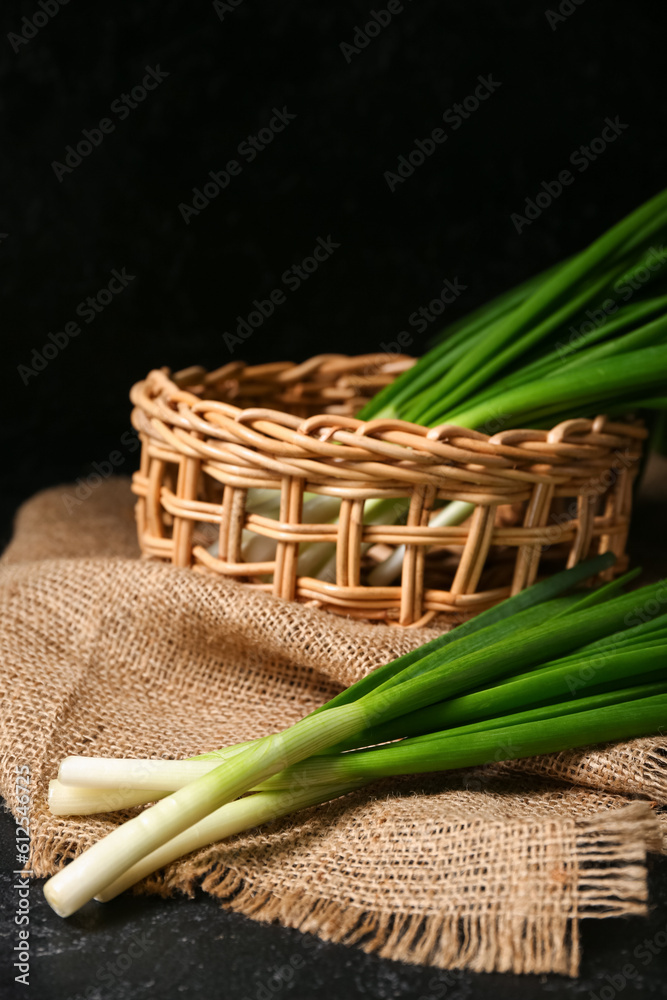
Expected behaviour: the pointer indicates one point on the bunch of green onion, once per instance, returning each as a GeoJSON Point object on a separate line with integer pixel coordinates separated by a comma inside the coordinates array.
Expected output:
{"type": "Point", "coordinates": [547, 670]}
{"type": "Point", "coordinates": [588, 336]}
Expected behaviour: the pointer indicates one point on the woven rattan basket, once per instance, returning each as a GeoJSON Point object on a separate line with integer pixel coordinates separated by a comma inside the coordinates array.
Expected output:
{"type": "Point", "coordinates": [542, 499]}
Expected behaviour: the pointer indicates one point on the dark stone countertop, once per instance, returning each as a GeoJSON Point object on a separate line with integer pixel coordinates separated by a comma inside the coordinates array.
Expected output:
{"type": "Point", "coordinates": [136, 948]}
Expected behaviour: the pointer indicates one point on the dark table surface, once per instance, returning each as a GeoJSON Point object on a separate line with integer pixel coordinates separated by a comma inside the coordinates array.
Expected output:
{"type": "Point", "coordinates": [141, 947]}
{"type": "Point", "coordinates": [138, 947]}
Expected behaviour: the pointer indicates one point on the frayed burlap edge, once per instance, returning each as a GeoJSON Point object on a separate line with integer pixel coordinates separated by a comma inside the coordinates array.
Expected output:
{"type": "Point", "coordinates": [606, 869]}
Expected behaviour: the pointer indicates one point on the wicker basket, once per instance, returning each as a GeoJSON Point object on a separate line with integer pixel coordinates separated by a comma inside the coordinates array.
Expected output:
{"type": "Point", "coordinates": [542, 499]}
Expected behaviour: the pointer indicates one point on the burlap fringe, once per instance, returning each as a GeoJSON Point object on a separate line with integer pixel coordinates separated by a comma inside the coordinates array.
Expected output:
{"type": "Point", "coordinates": [655, 770]}
{"type": "Point", "coordinates": [608, 874]}
{"type": "Point", "coordinates": [484, 942]}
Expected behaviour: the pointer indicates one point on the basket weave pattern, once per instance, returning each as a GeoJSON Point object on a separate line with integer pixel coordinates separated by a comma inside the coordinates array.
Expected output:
{"type": "Point", "coordinates": [550, 497]}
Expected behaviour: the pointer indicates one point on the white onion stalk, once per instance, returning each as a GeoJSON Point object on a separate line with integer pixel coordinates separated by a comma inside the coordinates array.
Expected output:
{"type": "Point", "coordinates": [132, 773]}
{"type": "Point", "coordinates": [152, 773]}
{"type": "Point", "coordinates": [232, 818]}
{"type": "Point", "coordinates": [318, 559]}
{"type": "Point", "coordinates": [314, 556]}
{"type": "Point", "coordinates": [106, 860]}
{"type": "Point", "coordinates": [258, 501]}
{"type": "Point", "coordinates": [87, 785]}
{"type": "Point", "coordinates": [261, 501]}
{"type": "Point", "coordinates": [317, 509]}
{"type": "Point", "coordinates": [72, 800]}
{"type": "Point", "coordinates": [453, 513]}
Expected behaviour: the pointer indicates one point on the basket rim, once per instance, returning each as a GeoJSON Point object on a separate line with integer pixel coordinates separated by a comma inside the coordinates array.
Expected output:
{"type": "Point", "coordinates": [165, 401]}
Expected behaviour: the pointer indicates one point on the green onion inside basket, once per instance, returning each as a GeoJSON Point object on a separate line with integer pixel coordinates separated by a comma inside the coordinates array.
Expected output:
{"type": "Point", "coordinates": [587, 336]}
{"type": "Point", "coordinates": [549, 669]}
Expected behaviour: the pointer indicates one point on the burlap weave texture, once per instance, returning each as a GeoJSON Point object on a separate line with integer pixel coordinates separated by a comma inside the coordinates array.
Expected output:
{"type": "Point", "coordinates": [491, 869]}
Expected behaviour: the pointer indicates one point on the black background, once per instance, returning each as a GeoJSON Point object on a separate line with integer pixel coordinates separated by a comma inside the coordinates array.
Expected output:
{"type": "Point", "coordinates": [323, 175]}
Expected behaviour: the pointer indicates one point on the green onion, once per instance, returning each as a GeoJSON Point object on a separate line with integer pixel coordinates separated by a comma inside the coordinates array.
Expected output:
{"type": "Point", "coordinates": [558, 680]}
{"type": "Point", "coordinates": [523, 339]}
{"type": "Point", "coordinates": [588, 335]}
{"type": "Point", "coordinates": [497, 663]}
{"type": "Point", "coordinates": [234, 817]}
{"type": "Point", "coordinates": [594, 383]}
{"type": "Point", "coordinates": [443, 751]}
{"type": "Point", "coordinates": [533, 596]}
{"type": "Point", "coordinates": [322, 778]}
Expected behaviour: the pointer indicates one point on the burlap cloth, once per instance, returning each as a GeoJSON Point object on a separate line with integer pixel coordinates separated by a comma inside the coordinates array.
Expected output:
{"type": "Point", "coordinates": [491, 869]}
